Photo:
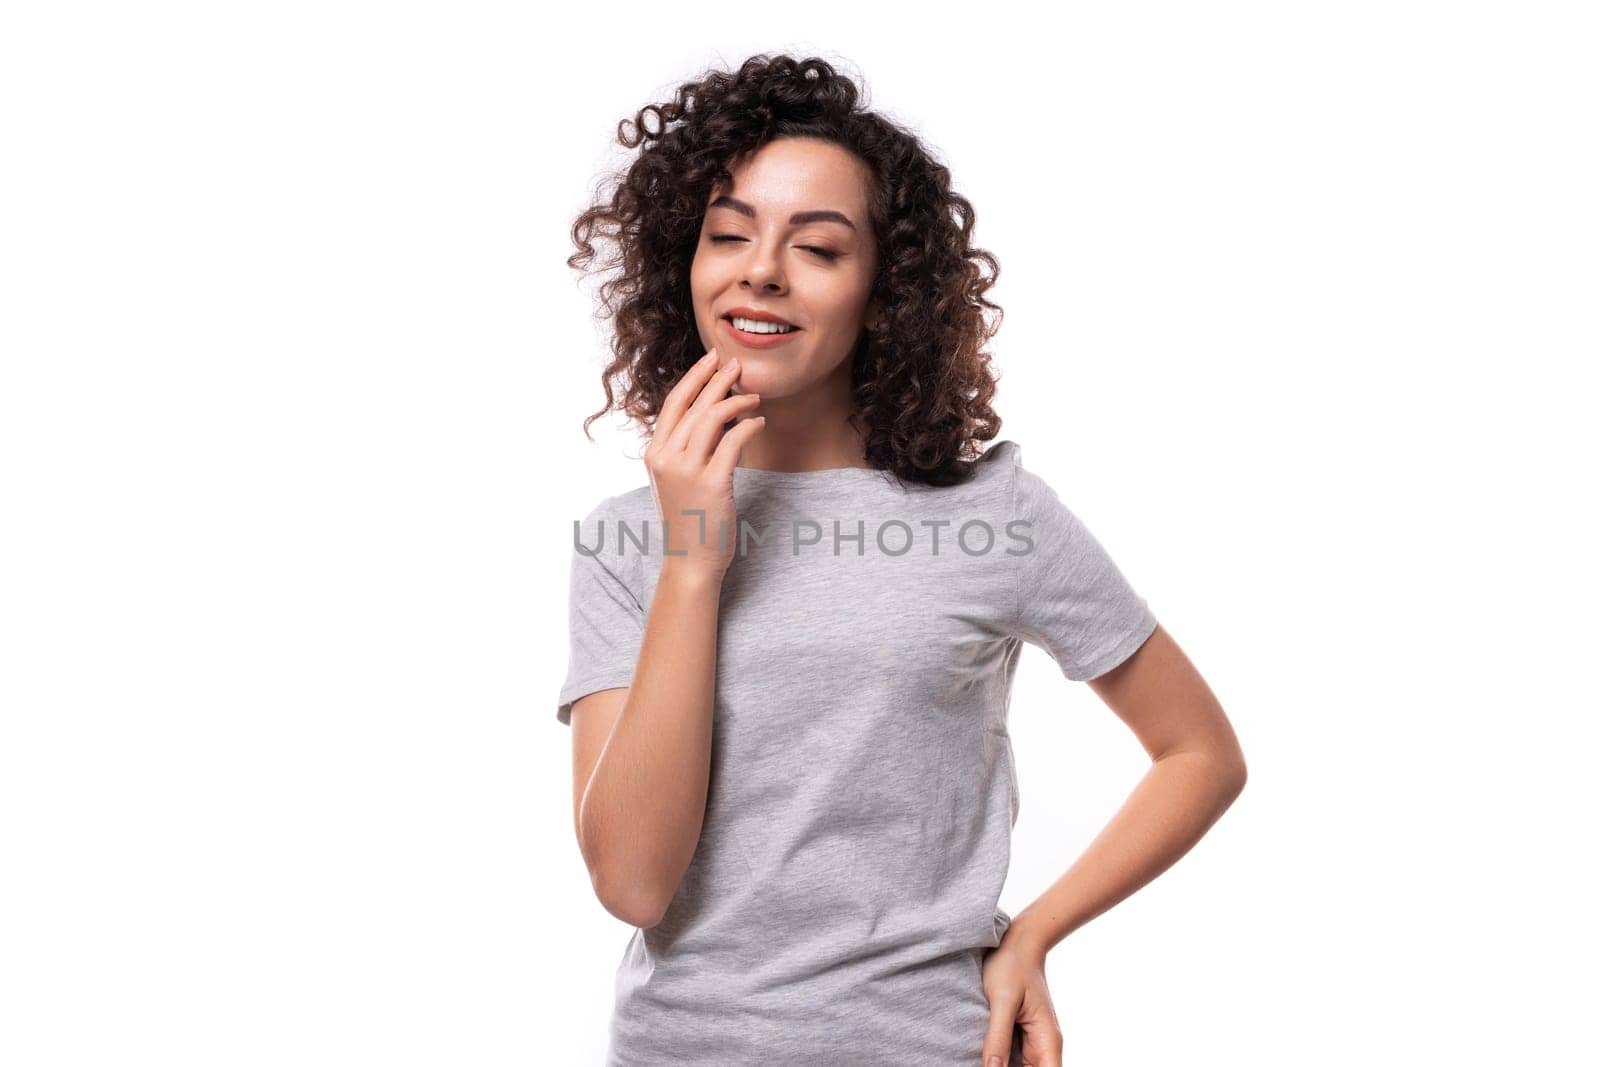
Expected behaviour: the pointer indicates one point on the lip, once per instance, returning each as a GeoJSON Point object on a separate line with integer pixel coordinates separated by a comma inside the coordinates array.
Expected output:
{"type": "Point", "coordinates": [757, 340]}
{"type": "Point", "coordinates": [759, 316]}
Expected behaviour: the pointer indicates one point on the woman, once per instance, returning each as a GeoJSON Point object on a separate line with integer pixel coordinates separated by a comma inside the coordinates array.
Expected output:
{"type": "Point", "coordinates": [792, 651]}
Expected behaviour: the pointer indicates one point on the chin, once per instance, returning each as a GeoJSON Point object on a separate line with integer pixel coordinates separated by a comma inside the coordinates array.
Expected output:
{"type": "Point", "coordinates": [766, 385]}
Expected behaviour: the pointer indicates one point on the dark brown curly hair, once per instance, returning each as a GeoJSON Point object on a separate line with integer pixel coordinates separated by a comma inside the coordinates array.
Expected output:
{"type": "Point", "coordinates": [921, 382]}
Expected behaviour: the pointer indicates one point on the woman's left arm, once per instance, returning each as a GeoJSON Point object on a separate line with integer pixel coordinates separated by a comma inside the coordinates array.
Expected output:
{"type": "Point", "coordinates": [1197, 770]}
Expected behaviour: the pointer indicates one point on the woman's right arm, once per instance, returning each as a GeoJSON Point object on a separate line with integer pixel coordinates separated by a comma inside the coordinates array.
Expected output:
{"type": "Point", "coordinates": [642, 754]}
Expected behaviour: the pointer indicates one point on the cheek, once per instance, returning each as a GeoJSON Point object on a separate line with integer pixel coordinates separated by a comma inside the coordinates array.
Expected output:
{"type": "Point", "coordinates": [698, 274]}
{"type": "Point", "coordinates": [704, 287]}
{"type": "Point", "coordinates": [837, 318]}
{"type": "Point", "coordinates": [846, 300]}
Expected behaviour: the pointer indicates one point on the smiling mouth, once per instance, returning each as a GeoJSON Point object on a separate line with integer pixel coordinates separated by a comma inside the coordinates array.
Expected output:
{"type": "Point", "coordinates": [763, 334]}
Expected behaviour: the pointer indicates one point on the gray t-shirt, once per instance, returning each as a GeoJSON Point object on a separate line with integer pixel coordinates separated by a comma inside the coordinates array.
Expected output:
{"type": "Point", "coordinates": [858, 822]}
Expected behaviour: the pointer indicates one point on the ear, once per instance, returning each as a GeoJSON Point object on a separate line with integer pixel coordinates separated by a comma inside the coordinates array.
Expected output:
{"type": "Point", "coordinates": [870, 318]}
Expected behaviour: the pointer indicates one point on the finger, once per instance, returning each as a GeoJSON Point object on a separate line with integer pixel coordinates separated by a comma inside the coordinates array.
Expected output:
{"type": "Point", "coordinates": [713, 391]}
{"type": "Point", "coordinates": [726, 457]}
{"type": "Point", "coordinates": [997, 1042]}
{"type": "Point", "coordinates": [1043, 1053]}
{"type": "Point", "coordinates": [703, 436]}
{"type": "Point", "coordinates": [1041, 1042]}
{"type": "Point", "coordinates": [682, 394]}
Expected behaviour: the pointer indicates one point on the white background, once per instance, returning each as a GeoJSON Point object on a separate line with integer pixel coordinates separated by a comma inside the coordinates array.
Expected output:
{"type": "Point", "coordinates": [1300, 318]}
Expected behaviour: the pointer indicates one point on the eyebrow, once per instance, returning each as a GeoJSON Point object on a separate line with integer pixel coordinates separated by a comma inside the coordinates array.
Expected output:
{"type": "Point", "coordinates": [799, 218]}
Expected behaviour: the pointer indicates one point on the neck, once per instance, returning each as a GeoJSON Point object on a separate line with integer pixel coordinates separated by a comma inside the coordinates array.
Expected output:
{"type": "Point", "coordinates": [807, 432]}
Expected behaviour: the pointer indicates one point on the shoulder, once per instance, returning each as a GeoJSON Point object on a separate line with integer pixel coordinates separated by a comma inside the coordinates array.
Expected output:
{"type": "Point", "coordinates": [1005, 458]}
{"type": "Point", "coordinates": [990, 471]}
{"type": "Point", "coordinates": [1002, 456]}
{"type": "Point", "coordinates": [630, 506]}
{"type": "Point", "coordinates": [601, 533]}
{"type": "Point", "coordinates": [635, 503]}
{"type": "Point", "coordinates": [1034, 498]}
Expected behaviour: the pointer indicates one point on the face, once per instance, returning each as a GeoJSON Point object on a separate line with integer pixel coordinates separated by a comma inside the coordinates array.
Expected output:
{"type": "Point", "coordinates": [792, 237]}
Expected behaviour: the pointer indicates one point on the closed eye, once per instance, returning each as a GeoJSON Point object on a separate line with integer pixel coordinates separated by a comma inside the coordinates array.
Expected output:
{"type": "Point", "coordinates": [823, 252]}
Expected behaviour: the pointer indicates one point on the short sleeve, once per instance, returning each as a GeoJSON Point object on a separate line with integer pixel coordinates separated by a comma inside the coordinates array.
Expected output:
{"type": "Point", "coordinates": [605, 621]}
{"type": "Point", "coordinates": [1071, 598]}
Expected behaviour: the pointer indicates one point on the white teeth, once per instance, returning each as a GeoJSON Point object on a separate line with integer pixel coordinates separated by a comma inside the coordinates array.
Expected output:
{"type": "Point", "coordinates": [755, 326]}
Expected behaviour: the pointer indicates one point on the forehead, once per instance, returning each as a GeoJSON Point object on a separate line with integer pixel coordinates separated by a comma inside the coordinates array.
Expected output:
{"type": "Point", "coordinates": [798, 173]}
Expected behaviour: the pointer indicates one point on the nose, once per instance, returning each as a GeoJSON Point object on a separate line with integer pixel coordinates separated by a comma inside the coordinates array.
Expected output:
{"type": "Point", "coordinates": [763, 271]}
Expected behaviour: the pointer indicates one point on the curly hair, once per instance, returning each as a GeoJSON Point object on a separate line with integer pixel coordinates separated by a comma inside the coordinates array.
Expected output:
{"type": "Point", "coordinates": [921, 384]}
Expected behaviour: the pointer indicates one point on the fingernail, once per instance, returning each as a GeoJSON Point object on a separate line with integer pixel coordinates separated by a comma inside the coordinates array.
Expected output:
{"type": "Point", "coordinates": [732, 363]}
{"type": "Point", "coordinates": [994, 1061]}
{"type": "Point", "coordinates": [709, 356]}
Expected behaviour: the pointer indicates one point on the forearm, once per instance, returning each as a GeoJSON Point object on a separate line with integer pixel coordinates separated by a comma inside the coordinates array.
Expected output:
{"type": "Point", "coordinates": [644, 806]}
{"type": "Point", "coordinates": [1173, 806]}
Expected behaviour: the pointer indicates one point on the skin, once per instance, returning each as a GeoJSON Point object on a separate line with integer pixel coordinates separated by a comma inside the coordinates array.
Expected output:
{"type": "Point", "coordinates": [641, 754]}
{"type": "Point", "coordinates": [1197, 770]}
{"type": "Point", "coordinates": [762, 260]}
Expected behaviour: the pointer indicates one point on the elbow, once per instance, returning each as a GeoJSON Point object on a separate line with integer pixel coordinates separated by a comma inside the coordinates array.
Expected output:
{"type": "Point", "coordinates": [1229, 770]}
{"type": "Point", "coordinates": [1235, 774]}
{"type": "Point", "coordinates": [619, 888]}
{"type": "Point", "coordinates": [629, 884]}
{"type": "Point", "coordinates": [629, 901]}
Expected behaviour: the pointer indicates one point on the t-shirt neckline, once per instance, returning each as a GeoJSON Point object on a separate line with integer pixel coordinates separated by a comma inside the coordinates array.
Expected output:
{"type": "Point", "coordinates": [824, 475]}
